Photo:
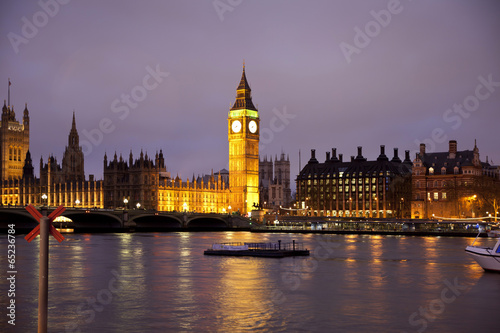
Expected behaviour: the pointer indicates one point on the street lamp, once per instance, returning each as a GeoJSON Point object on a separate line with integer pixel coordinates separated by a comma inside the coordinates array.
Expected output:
{"type": "Point", "coordinates": [138, 205]}
{"type": "Point", "coordinates": [77, 202]}
{"type": "Point", "coordinates": [401, 203]}
{"type": "Point", "coordinates": [472, 204]}
{"type": "Point", "coordinates": [44, 199]}
{"type": "Point", "coordinates": [125, 202]}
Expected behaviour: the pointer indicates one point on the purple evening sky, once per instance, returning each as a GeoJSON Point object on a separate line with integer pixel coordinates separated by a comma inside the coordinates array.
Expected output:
{"type": "Point", "coordinates": [324, 74]}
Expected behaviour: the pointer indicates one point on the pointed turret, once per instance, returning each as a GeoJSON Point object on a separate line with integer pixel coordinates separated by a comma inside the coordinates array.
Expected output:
{"type": "Point", "coordinates": [5, 113]}
{"type": "Point", "coordinates": [26, 118]}
{"type": "Point", "coordinates": [28, 168]}
{"type": "Point", "coordinates": [243, 95]}
{"type": "Point", "coordinates": [73, 138]}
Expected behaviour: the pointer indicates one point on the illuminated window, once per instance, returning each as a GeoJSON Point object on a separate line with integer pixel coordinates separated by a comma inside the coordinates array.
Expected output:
{"type": "Point", "coordinates": [436, 195]}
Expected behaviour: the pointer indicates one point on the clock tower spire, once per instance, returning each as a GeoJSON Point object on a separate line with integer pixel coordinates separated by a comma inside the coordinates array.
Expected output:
{"type": "Point", "coordinates": [243, 136]}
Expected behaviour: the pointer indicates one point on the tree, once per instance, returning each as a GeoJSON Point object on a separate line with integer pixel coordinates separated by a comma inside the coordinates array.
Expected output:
{"type": "Point", "coordinates": [487, 190]}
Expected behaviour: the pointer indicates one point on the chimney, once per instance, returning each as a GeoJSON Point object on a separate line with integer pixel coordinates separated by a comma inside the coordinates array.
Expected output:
{"type": "Point", "coordinates": [396, 157]}
{"type": "Point", "coordinates": [352, 158]}
{"type": "Point", "coordinates": [407, 157]}
{"type": "Point", "coordinates": [422, 149]}
{"type": "Point", "coordinates": [453, 149]}
{"type": "Point", "coordinates": [382, 156]}
{"type": "Point", "coordinates": [313, 156]}
{"type": "Point", "coordinates": [341, 156]}
{"type": "Point", "coordinates": [327, 156]}
{"type": "Point", "coordinates": [334, 155]}
{"type": "Point", "coordinates": [360, 157]}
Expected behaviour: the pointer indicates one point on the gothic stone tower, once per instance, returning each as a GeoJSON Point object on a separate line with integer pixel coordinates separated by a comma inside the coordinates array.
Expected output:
{"type": "Point", "coordinates": [14, 142]}
{"type": "Point", "coordinates": [73, 163]}
{"type": "Point", "coordinates": [243, 136]}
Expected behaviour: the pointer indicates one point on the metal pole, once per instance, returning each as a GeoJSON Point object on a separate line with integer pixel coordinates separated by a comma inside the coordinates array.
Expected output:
{"type": "Point", "coordinates": [43, 274]}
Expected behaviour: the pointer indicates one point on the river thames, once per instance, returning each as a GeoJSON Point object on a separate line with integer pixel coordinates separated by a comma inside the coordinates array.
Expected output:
{"type": "Point", "coordinates": [162, 282]}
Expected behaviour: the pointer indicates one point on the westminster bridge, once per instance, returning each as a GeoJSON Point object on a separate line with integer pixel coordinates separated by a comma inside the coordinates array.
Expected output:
{"type": "Point", "coordinates": [110, 220]}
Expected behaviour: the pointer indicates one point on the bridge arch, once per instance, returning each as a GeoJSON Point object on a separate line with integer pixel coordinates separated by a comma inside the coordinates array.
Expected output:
{"type": "Point", "coordinates": [207, 222]}
{"type": "Point", "coordinates": [93, 220]}
{"type": "Point", "coordinates": [156, 222]}
{"type": "Point", "coordinates": [22, 220]}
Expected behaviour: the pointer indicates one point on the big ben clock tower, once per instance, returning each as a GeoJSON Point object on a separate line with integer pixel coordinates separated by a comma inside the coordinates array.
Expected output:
{"type": "Point", "coordinates": [243, 136]}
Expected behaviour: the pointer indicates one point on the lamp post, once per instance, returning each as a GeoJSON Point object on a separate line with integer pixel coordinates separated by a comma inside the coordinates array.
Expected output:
{"type": "Point", "coordinates": [77, 202]}
{"type": "Point", "coordinates": [229, 209]}
{"type": "Point", "coordinates": [401, 203]}
{"type": "Point", "coordinates": [472, 205]}
{"type": "Point", "coordinates": [125, 202]}
{"type": "Point", "coordinates": [44, 199]}
{"type": "Point", "coordinates": [428, 205]}
{"type": "Point", "coordinates": [138, 205]}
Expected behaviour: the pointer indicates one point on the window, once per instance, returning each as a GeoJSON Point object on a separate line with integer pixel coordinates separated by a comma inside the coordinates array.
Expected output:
{"type": "Point", "coordinates": [443, 195]}
{"type": "Point", "coordinates": [431, 171]}
{"type": "Point", "coordinates": [436, 196]}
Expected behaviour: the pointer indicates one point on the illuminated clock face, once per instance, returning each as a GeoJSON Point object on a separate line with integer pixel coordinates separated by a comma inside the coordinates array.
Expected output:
{"type": "Point", "coordinates": [252, 126]}
{"type": "Point", "coordinates": [236, 126]}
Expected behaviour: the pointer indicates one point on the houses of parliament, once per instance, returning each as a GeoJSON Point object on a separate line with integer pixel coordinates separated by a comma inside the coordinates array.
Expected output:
{"type": "Point", "coordinates": [142, 182]}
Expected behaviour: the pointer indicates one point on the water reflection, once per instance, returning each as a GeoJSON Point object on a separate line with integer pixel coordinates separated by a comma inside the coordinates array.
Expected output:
{"type": "Point", "coordinates": [365, 284]}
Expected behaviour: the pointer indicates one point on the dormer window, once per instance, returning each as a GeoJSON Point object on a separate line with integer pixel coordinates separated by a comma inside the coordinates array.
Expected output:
{"type": "Point", "coordinates": [443, 171]}
{"type": "Point", "coordinates": [455, 170]}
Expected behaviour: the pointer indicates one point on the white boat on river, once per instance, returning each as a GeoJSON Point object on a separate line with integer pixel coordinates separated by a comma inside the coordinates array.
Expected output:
{"type": "Point", "coordinates": [488, 258]}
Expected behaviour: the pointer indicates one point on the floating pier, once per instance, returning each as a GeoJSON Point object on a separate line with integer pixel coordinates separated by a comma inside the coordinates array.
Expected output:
{"type": "Point", "coordinates": [272, 250]}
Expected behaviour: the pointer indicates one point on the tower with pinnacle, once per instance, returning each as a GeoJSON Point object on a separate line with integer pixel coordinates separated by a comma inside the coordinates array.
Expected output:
{"type": "Point", "coordinates": [14, 141]}
{"type": "Point", "coordinates": [73, 162]}
{"type": "Point", "coordinates": [243, 136]}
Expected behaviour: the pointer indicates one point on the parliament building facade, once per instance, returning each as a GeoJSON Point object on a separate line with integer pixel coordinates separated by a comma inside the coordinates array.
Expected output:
{"type": "Point", "coordinates": [141, 183]}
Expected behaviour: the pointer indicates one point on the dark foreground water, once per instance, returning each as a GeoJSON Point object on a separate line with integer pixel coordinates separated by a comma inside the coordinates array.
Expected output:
{"type": "Point", "coordinates": [162, 282]}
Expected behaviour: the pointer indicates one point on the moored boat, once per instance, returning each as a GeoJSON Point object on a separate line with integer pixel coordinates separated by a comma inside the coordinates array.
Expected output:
{"type": "Point", "coordinates": [488, 258]}
{"type": "Point", "coordinates": [274, 250]}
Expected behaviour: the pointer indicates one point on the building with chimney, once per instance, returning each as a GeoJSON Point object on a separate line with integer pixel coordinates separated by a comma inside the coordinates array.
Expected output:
{"type": "Point", "coordinates": [355, 188]}
{"type": "Point", "coordinates": [452, 184]}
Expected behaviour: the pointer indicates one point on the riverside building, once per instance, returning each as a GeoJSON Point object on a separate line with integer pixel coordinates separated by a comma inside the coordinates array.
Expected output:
{"type": "Point", "coordinates": [453, 184]}
{"type": "Point", "coordinates": [355, 188]}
